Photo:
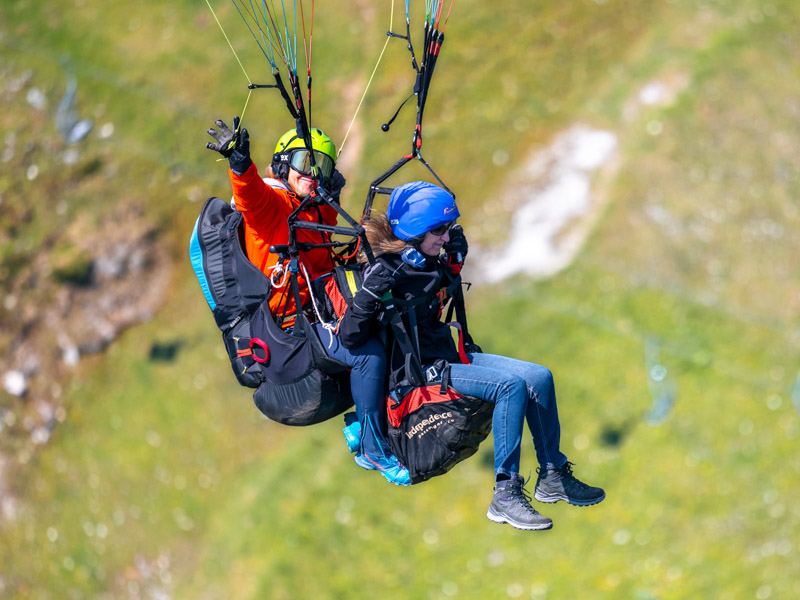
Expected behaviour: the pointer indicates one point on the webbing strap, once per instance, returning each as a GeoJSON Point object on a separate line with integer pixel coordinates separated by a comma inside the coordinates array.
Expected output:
{"type": "Point", "coordinates": [460, 309]}
{"type": "Point", "coordinates": [445, 379]}
{"type": "Point", "coordinates": [412, 363]}
{"type": "Point", "coordinates": [299, 328]}
{"type": "Point", "coordinates": [462, 353]}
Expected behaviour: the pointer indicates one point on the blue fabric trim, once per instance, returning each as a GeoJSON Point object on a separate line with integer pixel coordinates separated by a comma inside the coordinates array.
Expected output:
{"type": "Point", "coordinates": [196, 255]}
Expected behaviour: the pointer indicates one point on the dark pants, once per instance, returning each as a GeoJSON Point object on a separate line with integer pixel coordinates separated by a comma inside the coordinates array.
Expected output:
{"type": "Point", "coordinates": [367, 376]}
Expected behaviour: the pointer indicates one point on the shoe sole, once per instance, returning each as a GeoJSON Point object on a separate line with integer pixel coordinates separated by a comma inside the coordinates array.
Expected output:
{"type": "Point", "coordinates": [365, 463]}
{"type": "Point", "coordinates": [553, 498]}
{"type": "Point", "coordinates": [492, 516]}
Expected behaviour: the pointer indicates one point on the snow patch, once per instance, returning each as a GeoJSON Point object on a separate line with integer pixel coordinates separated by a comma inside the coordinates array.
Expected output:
{"type": "Point", "coordinates": [543, 237]}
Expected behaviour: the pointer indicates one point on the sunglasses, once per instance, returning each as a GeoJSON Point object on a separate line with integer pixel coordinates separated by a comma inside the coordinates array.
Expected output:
{"type": "Point", "coordinates": [300, 160]}
{"type": "Point", "coordinates": [442, 229]}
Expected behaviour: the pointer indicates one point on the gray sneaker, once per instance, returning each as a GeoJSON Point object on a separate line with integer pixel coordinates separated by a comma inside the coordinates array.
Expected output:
{"type": "Point", "coordinates": [511, 504]}
{"type": "Point", "coordinates": [560, 484]}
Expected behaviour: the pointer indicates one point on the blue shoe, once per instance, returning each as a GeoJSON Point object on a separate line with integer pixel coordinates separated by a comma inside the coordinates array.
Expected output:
{"type": "Point", "coordinates": [352, 432]}
{"type": "Point", "coordinates": [388, 466]}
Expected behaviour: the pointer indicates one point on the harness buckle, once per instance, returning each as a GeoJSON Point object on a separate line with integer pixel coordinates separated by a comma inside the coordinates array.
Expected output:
{"type": "Point", "coordinates": [431, 373]}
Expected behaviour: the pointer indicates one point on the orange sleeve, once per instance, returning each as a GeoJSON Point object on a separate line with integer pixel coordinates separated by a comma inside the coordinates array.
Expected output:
{"type": "Point", "coordinates": [264, 211]}
{"type": "Point", "coordinates": [259, 203]}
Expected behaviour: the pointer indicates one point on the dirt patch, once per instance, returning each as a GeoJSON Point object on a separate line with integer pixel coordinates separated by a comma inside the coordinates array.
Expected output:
{"type": "Point", "coordinates": [73, 299]}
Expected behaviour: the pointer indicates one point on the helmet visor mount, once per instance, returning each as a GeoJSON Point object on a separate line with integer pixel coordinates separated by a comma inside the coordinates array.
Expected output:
{"type": "Point", "coordinates": [300, 161]}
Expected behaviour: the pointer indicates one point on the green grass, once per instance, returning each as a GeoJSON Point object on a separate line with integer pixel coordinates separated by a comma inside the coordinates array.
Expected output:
{"type": "Point", "coordinates": [164, 478]}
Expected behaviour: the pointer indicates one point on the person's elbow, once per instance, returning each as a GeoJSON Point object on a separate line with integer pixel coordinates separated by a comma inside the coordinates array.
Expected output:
{"type": "Point", "coordinates": [352, 338]}
{"type": "Point", "coordinates": [353, 332]}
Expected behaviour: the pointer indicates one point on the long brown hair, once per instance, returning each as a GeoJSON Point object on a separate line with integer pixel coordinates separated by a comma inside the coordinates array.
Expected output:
{"type": "Point", "coordinates": [380, 236]}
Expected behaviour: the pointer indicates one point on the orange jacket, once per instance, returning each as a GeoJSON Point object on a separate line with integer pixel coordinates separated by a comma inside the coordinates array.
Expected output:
{"type": "Point", "coordinates": [265, 206]}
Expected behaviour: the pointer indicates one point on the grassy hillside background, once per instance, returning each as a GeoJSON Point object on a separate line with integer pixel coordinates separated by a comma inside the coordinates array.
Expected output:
{"type": "Point", "coordinates": [161, 479]}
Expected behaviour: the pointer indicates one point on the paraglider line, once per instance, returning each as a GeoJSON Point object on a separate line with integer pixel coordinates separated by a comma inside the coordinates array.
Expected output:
{"type": "Point", "coordinates": [229, 42]}
{"type": "Point", "coordinates": [389, 35]}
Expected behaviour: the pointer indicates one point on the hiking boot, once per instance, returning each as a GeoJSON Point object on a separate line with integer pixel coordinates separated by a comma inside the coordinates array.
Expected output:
{"type": "Point", "coordinates": [388, 466]}
{"type": "Point", "coordinates": [511, 504]}
{"type": "Point", "coordinates": [560, 484]}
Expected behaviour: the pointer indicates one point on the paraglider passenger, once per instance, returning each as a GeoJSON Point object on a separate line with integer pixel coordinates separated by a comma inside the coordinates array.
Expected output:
{"type": "Point", "coordinates": [407, 241]}
{"type": "Point", "coordinates": [265, 205]}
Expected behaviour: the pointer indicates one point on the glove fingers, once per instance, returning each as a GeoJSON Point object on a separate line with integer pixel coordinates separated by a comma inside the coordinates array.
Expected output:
{"type": "Point", "coordinates": [457, 241]}
{"type": "Point", "coordinates": [226, 131]}
{"type": "Point", "coordinates": [215, 134]}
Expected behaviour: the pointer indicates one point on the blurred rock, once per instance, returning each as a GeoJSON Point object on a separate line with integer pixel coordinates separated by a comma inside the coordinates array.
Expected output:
{"type": "Point", "coordinates": [73, 298]}
{"type": "Point", "coordinates": [36, 98]}
{"type": "Point", "coordinates": [15, 383]}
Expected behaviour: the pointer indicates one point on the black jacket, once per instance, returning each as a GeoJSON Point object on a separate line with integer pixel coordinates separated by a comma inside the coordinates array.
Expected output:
{"type": "Point", "coordinates": [416, 292]}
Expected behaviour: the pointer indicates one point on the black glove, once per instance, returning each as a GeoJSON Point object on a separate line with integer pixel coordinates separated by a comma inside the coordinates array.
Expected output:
{"type": "Point", "coordinates": [472, 348]}
{"type": "Point", "coordinates": [377, 281]}
{"type": "Point", "coordinates": [333, 185]}
{"type": "Point", "coordinates": [457, 242]}
{"type": "Point", "coordinates": [233, 145]}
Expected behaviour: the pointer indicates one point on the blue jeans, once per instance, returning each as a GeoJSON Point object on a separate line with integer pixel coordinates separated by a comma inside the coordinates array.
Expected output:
{"type": "Point", "coordinates": [367, 375]}
{"type": "Point", "coordinates": [520, 391]}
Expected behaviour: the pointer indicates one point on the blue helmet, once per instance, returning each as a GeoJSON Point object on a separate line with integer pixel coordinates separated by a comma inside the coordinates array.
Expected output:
{"type": "Point", "coordinates": [418, 207]}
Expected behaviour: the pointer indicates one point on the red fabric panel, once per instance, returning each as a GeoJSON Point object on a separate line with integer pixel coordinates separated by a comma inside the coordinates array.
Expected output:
{"type": "Point", "coordinates": [415, 399]}
{"type": "Point", "coordinates": [339, 304]}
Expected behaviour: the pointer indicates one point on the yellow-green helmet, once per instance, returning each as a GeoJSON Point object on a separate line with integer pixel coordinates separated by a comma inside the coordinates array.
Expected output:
{"type": "Point", "coordinates": [319, 142]}
{"type": "Point", "coordinates": [291, 152]}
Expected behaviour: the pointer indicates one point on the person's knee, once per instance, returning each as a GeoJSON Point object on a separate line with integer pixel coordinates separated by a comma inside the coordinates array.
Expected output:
{"type": "Point", "coordinates": [543, 378]}
{"type": "Point", "coordinates": [376, 362]}
{"type": "Point", "coordinates": [372, 356]}
{"type": "Point", "coordinates": [515, 386]}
